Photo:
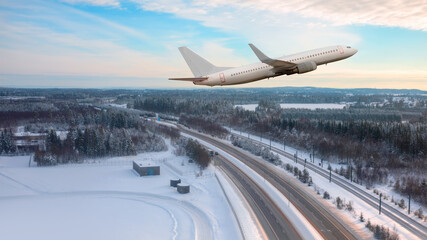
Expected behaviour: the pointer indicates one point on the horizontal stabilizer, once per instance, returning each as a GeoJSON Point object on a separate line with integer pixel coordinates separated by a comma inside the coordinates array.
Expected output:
{"type": "Point", "coordinates": [272, 62]}
{"type": "Point", "coordinates": [199, 79]}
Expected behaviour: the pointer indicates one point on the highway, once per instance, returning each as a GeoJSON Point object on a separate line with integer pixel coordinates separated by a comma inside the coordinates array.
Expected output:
{"type": "Point", "coordinates": [328, 226]}
{"type": "Point", "coordinates": [399, 217]}
{"type": "Point", "coordinates": [271, 218]}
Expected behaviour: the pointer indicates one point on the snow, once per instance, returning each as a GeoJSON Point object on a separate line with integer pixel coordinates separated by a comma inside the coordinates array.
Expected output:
{"type": "Point", "coordinates": [118, 105]}
{"type": "Point", "coordinates": [311, 106]}
{"type": "Point", "coordinates": [106, 199]}
{"type": "Point", "coordinates": [28, 134]}
{"type": "Point", "coordinates": [14, 162]}
{"type": "Point", "coordinates": [335, 191]}
{"type": "Point", "coordinates": [62, 135]}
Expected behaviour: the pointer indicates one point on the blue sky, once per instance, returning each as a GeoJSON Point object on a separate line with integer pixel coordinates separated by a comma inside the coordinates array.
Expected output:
{"type": "Point", "coordinates": [133, 43]}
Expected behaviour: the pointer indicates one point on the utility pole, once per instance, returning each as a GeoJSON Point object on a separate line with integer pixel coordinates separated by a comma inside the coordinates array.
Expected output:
{"type": "Point", "coordinates": [380, 203]}
{"type": "Point", "coordinates": [296, 157]}
{"type": "Point", "coordinates": [313, 153]}
{"type": "Point", "coordinates": [284, 144]}
{"type": "Point", "coordinates": [330, 174]}
{"type": "Point", "coordinates": [270, 143]}
{"type": "Point", "coordinates": [305, 162]}
{"type": "Point", "coordinates": [351, 173]}
{"type": "Point", "coordinates": [409, 203]}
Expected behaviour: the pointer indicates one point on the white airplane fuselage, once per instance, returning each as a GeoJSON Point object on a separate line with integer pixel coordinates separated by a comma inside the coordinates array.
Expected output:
{"type": "Point", "coordinates": [259, 71]}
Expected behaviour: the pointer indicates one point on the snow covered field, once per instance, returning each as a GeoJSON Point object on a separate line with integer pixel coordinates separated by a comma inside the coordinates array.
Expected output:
{"type": "Point", "coordinates": [106, 199]}
{"type": "Point", "coordinates": [311, 106]}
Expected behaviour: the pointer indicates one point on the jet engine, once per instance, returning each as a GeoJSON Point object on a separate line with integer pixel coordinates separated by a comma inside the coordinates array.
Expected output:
{"type": "Point", "coordinates": [303, 68]}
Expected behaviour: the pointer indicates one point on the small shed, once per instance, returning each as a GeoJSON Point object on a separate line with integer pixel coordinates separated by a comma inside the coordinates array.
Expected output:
{"type": "Point", "coordinates": [174, 182]}
{"type": "Point", "coordinates": [183, 188]}
{"type": "Point", "coordinates": [144, 170]}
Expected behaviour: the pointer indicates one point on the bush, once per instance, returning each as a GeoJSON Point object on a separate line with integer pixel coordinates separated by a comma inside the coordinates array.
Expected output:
{"type": "Point", "coordinates": [402, 204]}
{"type": "Point", "coordinates": [196, 152]}
{"type": "Point", "coordinates": [349, 206]}
{"type": "Point", "coordinates": [369, 225]}
{"type": "Point", "coordinates": [381, 232]}
{"type": "Point", "coordinates": [43, 158]}
{"type": "Point", "coordinates": [419, 213]}
{"type": "Point", "coordinates": [326, 195]}
{"type": "Point", "coordinates": [339, 203]}
{"type": "Point", "coordinates": [361, 218]}
{"type": "Point", "coordinates": [296, 171]}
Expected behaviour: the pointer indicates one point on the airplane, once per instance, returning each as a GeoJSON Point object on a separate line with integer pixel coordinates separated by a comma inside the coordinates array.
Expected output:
{"type": "Point", "coordinates": [205, 73]}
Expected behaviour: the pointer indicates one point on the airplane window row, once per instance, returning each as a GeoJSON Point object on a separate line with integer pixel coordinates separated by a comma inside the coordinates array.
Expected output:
{"type": "Point", "coordinates": [234, 74]}
{"type": "Point", "coordinates": [314, 55]}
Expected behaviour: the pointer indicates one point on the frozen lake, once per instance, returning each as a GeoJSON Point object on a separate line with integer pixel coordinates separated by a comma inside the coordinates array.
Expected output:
{"type": "Point", "coordinates": [312, 106]}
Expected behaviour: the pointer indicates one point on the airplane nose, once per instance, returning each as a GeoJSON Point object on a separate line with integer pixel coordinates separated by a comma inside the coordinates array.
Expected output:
{"type": "Point", "coordinates": [355, 51]}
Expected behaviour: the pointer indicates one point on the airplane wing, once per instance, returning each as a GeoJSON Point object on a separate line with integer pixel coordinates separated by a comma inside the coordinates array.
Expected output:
{"type": "Point", "coordinates": [272, 62]}
{"type": "Point", "coordinates": [199, 79]}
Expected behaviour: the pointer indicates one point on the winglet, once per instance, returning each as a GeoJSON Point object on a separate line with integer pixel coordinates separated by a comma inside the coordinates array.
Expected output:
{"type": "Point", "coordinates": [262, 57]}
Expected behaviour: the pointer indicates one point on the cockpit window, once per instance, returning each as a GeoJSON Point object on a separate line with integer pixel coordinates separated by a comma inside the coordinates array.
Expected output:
{"type": "Point", "coordinates": [348, 47]}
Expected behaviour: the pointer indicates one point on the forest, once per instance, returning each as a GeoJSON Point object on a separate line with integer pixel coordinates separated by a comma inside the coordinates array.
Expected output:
{"type": "Point", "coordinates": [377, 142]}
{"type": "Point", "coordinates": [381, 134]}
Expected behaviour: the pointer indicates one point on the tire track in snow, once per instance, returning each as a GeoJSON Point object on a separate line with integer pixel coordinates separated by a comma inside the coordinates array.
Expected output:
{"type": "Point", "coordinates": [20, 183]}
{"type": "Point", "coordinates": [201, 221]}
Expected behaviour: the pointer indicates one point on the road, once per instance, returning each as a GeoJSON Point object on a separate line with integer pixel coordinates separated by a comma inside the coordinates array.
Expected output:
{"type": "Point", "coordinates": [271, 218]}
{"type": "Point", "coordinates": [399, 217]}
{"type": "Point", "coordinates": [328, 226]}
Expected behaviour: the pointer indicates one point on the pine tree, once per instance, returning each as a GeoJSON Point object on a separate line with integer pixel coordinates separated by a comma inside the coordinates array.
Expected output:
{"type": "Point", "coordinates": [1, 142]}
{"type": "Point", "coordinates": [362, 219]}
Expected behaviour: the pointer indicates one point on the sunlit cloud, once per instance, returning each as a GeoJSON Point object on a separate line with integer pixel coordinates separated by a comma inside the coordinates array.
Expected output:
{"type": "Point", "coordinates": [114, 3]}
{"type": "Point", "coordinates": [391, 13]}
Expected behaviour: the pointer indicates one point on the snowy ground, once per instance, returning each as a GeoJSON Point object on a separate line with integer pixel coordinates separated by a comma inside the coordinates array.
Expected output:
{"type": "Point", "coordinates": [311, 106]}
{"type": "Point", "coordinates": [322, 184]}
{"type": "Point", "coordinates": [106, 199]}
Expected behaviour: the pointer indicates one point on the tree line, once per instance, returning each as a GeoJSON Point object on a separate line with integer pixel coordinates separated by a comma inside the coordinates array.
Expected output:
{"type": "Point", "coordinates": [6, 141]}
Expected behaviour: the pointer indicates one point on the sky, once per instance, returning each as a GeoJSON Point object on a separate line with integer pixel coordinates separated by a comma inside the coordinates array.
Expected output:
{"type": "Point", "coordinates": [133, 43]}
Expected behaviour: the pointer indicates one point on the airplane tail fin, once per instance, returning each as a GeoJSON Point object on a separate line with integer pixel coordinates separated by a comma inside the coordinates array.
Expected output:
{"type": "Point", "coordinates": [198, 65]}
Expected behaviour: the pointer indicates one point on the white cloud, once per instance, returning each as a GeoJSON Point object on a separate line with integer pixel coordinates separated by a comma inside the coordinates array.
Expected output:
{"type": "Point", "coordinates": [273, 31]}
{"type": "Point", "coordinates": [114, 3]}
{"type": "Point", "coordinates": [391, 13]}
